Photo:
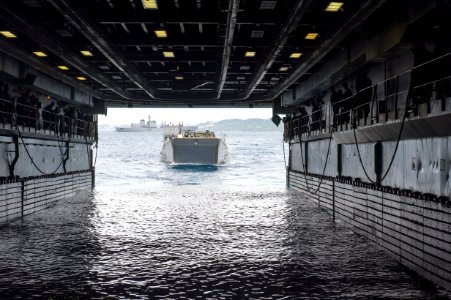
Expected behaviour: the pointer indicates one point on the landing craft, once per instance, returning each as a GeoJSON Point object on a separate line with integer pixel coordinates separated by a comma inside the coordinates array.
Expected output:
{"type": "Point", "coordinates": [198, 147]}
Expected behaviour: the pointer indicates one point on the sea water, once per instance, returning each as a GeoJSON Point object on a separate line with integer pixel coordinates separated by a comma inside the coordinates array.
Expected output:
{"type": "Point", "coordinates": [153, 230]}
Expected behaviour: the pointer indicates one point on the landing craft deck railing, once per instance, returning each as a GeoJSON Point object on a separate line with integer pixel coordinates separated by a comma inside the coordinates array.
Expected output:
{"type": "Point", "coordinates": [32, 119]}
{"type": "Point", "coordinates": [422, 92]}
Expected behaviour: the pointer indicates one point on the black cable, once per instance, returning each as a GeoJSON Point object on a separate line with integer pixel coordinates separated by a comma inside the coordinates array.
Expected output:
{"type": "Point", "coordinates": [31, 158]}
{"type": "Point", "coordinates": [372, 101]}
{"type": "Point", "coordinates": [59, 146]}
{"type": "Point", "coordinates": [396, 147]}
{"type": "Point", "coordinates": [325, 163]}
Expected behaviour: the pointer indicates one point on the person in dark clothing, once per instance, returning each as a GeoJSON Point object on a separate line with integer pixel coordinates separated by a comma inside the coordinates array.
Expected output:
{"type": "Point", "coordinates": [346, 104]}
{"type": "Point", "coordinates": [363, 86]}
{"type": "Point", "coordinates": [335, 97]}
{"type": "Point", "coordinates": [47, 115]}
{"type": "Point", "coordinates": [442, 65]}
{"type": "Point", "coordinates": [24, 108]}
{"type": "Point", "coordinates": [8, 104]}
{"type": "Point", "coordinates": [316, 115]}
{"type": "Point", "coordinates": [4, 91]}
{"type": "Point", "coordinates": [2, 103]}
{"type": "Point", "coordinates": [421, 90]}
{"type": "Point", "coordinates": [58, 113]}
{"type": "Point", "coordinates": [33, 114]}
{"type": "Point", "coordinates": [302, 116]}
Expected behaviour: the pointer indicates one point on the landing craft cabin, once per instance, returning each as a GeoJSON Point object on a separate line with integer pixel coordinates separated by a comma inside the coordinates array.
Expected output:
{"type": "Point", "coordinates": [363, 88]}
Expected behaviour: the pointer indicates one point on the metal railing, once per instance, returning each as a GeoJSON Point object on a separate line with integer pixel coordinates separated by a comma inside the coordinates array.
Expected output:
{"type": "Point", "coordinates": [367, 107]}
{"type": "Point", "coordinates": [15, 115]}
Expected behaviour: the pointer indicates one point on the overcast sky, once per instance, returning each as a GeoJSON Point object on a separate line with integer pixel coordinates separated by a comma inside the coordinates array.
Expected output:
{"type": "Point", "coordinates": [125, 116]}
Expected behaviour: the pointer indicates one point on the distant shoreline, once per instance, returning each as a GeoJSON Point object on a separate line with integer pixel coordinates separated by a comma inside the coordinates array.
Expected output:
{"type": "Point", "coordinates": [252, 125]}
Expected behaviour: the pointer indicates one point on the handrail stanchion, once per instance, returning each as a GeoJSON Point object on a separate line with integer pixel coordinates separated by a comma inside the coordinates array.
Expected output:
{"type": "Point", "coordinates": [377, 109]}
{"type": "Point", "coordinates": [396, 98]}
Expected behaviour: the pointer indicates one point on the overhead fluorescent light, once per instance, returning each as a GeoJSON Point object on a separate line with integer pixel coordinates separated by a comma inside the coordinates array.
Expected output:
{"type": "Point", "coordinates": [8, 34]}
{"type": "Point", "coordinates": [257, 34]}
{"type": "Point", "coordinates": [266, 4]}
{"type": "Point", "coordinates": [295, 55]}
{"type": "Point", "coordinates": [178, 77]}
{"type": "Point", "coordinates": [86, 53]}
{"type": "Point", "coordinates": [334, 6]}
{"type": "Point", "coordinates": [311, 36]}
{"type": "Point", "coordinates": [39, 54]}
{"type": "Point", "coordinates": [104, 67]}
{"type": "Point", "coordinates": [150, 4]}
{"type": "Point", "coordinates": [64, 68]}
{"type": "Point", "coordinates": [283, 69]}
{"type": "Point", "coordinates": [168, 54]}
{"type": "Point", "coordinates": [244, 68]}
{"type": "Point", "coordinates": [249, 54]}
{"type": "Point", "coordinates": [81, 78]}
{"type": "Point", "coordinates": [161, 33]}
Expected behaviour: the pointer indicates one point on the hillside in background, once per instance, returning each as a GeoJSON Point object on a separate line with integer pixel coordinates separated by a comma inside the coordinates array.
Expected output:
{"type": "Point", "coordinates": [241, 125]}
{"type": "Point", "coordinates": [225, 125]}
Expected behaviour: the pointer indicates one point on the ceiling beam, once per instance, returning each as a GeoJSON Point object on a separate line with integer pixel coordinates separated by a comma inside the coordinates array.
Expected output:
{"type": "Point", "coordinates": [37, 33]}
{"type": "Point", "coordinates": [25, 57]}
{"type": "Point", "coordinates": [284, 33]}
{"type": "Point", "coordinates": [186, 42]}
{"type": "Point", "coordinates": [188, 18]}
{"type": "Point", "coordinates": [102, 44]}
{"type": "Point", "coordinates": [228, 41]}
{"type": "Point", "coordinates": [333, 41]}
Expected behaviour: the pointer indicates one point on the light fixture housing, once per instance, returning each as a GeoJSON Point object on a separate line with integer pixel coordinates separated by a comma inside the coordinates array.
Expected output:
{"type": "Point", "coordinates": [334, 6]}
{"type": "Point", "coordinates": [296, 55]}
{"type": "Point", "coordinates": [40, 54]}
{"type": "Point", "coordinates": [268, 4]}
{"type": "Point", "coordinates": [257, 34]}
{"type": "Point", "coordinates": [8, 34]}
{"type": "Point", "coordinates": [283, 69]}
{"type": "Point", "coordinates": [150, 4]}
{"type": "Point", "coordinates": [62, 67]}
{"type": "Point", "coordinates": [311, 36]}
{"type": "Point", "coordinates": [249, 54]}
{"type": "Point", "coordinates": [82, 78]}
{"type": "Point", "coordinates": [168, 54]}
{"type": "Point", "coordinates": [160, 33]}
{"type": "Point", "coordinates": [86, 53]}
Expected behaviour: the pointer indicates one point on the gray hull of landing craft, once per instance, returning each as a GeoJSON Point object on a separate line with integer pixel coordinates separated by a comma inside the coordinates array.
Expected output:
{"type": "Point", "coordinates": [194, 150]}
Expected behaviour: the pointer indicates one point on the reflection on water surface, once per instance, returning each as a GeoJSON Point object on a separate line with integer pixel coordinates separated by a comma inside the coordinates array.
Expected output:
{"type": "Point", "coordinates": [153, 230]}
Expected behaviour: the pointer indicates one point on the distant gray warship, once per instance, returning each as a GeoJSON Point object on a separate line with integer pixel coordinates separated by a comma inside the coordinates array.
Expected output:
{"type": "Point", "coordinates": [142, 126]}
{"type": "Point", "coordinates": [151, 126]}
